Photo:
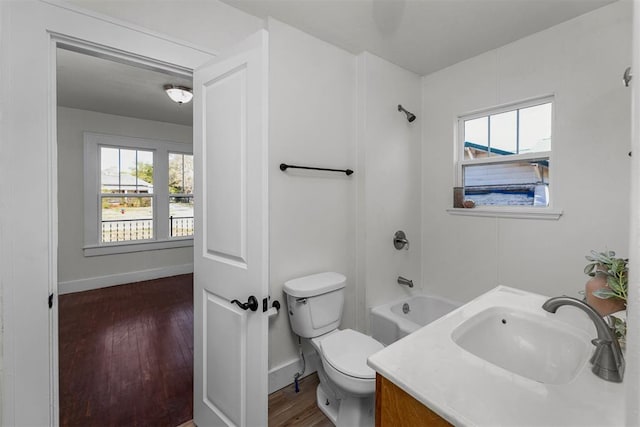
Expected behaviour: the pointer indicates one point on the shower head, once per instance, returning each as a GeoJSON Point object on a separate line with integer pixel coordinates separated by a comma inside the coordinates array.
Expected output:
{"type": "Point", "coordinates": [410, 116]}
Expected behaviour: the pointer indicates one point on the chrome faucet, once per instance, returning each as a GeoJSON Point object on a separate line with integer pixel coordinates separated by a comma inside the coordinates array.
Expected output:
{"type": "Point", "coordinates": [404, 281]}
{"type": "Point", "coordinates": [607, 359]}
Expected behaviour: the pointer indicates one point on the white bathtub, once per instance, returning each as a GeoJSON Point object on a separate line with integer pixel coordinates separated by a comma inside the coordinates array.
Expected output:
{"type": "Point", "coordinates": [389, 322]}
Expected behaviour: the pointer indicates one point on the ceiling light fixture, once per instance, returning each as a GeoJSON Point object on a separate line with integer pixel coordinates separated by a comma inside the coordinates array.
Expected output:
{"type": "Point", "coordinates": [179, 94]}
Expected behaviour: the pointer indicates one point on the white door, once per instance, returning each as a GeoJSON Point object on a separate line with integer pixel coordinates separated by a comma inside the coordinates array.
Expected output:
{"type": "Point", "coordinates": [231, 244]}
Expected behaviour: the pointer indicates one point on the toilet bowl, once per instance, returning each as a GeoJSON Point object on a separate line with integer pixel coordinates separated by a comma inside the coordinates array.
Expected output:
{"type": "Point", "coordinates": [347, 384]}
{"type": "Point", "coordinates": [344, 356]}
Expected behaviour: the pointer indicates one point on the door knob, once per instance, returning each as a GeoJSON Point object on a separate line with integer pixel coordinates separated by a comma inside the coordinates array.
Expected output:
{"type": "Point", "coordinates": [251, 304]}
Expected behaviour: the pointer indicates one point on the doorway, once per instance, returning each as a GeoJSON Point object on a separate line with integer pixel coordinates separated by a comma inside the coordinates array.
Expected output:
{"type": "Point", "coordinates": [125, 333]}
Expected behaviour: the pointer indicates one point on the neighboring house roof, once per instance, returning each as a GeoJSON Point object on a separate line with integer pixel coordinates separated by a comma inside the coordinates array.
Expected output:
{"type": "Point", "coordinates": [484, 148]}
{"type": "Point", "coordinates": [125, 181]}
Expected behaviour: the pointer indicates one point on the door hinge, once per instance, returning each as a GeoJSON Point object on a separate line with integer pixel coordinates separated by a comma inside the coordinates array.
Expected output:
{"type": "Point", "coordinates": [51, 301]}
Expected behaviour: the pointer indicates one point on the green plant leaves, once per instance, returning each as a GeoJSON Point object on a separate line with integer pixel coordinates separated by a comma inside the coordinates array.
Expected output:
{"type": "Point", "coordinates": [616, 271]}
{"type": "Point", "coordinates": [604, 293]}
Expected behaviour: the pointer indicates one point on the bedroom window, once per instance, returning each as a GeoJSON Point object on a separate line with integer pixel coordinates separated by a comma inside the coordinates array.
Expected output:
{"type": "Point", "coordinates": [505, 155]}
{"type": "Point", "coordinates": [126, 194]}
{"type": "Point", "coordinates": [138, 194]}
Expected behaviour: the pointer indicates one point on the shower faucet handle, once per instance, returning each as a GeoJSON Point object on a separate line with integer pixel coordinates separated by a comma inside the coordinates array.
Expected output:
{"type": "Point", "coordinates": [400, 240]}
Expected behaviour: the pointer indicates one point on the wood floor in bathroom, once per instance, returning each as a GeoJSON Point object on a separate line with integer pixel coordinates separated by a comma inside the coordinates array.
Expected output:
{"type": "Point", "coordinates": [126, 359]}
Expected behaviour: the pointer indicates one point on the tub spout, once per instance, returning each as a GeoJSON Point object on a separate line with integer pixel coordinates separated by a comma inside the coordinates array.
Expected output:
{"type": "Point", "coordinates": [405, 281]}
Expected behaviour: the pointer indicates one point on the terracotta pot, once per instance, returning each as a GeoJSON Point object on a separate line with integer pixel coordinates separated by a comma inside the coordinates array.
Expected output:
{"type": "Point", "coordinates": [602, 306]}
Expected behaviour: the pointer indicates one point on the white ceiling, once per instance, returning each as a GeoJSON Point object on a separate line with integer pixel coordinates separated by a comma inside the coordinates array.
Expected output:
{"type": "Point", "coordinates": [420, 35]}
{"type": "Point", "coordinates": [96, 84]}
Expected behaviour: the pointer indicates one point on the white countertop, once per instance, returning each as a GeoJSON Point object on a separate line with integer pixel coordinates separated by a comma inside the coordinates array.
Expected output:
{"type": "Point", "coordinates": [467, 390]}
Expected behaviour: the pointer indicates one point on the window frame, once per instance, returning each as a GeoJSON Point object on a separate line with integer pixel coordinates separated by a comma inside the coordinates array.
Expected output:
{"type": "Point", "coordinates": [160, 196]}
{"type": "Point", "coordinates": [102, 196]}
{"type": "Point", "coordinates": [542, 212]}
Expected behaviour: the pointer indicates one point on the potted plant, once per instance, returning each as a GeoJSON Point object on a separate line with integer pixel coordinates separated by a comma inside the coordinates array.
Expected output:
{"type": "Point", "coordinates": [606, 291]}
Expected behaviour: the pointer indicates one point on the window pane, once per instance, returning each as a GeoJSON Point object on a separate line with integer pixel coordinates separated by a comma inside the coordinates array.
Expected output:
{"type": "Point", "coordinates": [180, 173]}
{"type": "Point", "coordinates": [175, 173]}
{"type": "Point", "coordinates": [508, 184]}
{"type": "Point", "coordinates": [110, 170]}
{"type": "Point", "coordinates": [535, 128]}
{"type": "Point", "coordinates": [503, 131]}
{"type": "Point", "coordinates": [144, 172]}
{"type": "Point", "coordinates": [188, 174]}
{"type": "Point", "coordinates": [476, 138]}
{"type": "Point", "coordinates": [126, 218]}
{"type": "Point", "coordinates": [126, 170]}
{"type": "Point", "coordinates": [181, 216]}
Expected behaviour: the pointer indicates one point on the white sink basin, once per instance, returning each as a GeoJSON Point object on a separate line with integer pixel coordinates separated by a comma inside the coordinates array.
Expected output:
{"type": "Point", "coordinates": [537, 347]}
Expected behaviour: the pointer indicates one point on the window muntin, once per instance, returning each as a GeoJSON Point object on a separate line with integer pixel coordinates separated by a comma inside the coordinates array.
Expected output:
{"type": "Point", "coordinates": [505, 157]}
{"type": "Point", "coordinates": [180, 194]}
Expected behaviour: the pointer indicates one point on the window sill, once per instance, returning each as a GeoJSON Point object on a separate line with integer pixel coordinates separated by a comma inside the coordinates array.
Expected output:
{"type": "Point", "coordinates": [123, 248]}
{"type": "Point", "coordinates": [504, 212]}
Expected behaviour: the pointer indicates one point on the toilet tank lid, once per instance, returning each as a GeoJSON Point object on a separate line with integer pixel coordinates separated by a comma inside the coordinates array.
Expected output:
{"type": "Point", "coordinates": [316, 284]}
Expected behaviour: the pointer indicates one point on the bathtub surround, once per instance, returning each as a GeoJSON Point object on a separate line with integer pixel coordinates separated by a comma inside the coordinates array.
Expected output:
{"type": "Point", "coordinates": [389, 183]}
{"type": "Point", "coordinates": [580, 63]}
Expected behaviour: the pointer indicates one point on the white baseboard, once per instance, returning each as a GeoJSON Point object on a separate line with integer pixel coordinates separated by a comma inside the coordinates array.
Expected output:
{"type": "Point", "coordinates": [282, 376]}
{"type": "Point", "coordinates": [122, 278]}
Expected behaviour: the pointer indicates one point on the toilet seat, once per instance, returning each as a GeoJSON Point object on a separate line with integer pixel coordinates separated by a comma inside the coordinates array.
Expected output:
{"type": "Point", "coordinates": [347, 352]}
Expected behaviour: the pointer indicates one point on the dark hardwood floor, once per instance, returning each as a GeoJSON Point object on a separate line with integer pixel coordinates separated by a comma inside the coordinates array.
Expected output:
{"type": "Point", "coordinates": [126, 354]}
{"type": "Point", "coordinates": [126, 359]}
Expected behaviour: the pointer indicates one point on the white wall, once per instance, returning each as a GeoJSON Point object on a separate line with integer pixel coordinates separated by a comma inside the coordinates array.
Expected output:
{"type": "Point", "coordinates": [211, 24]}
{"type": "Point", "coordinates": [389, 183]}
{"type": "Point", "coordinates": [312, 122]}
{"type": "Point", "coordinates": [632, 372]}
{"type": "Point", "coordinates": [73, 267]}
{"type": "Point", "coordinates": [581, 63]}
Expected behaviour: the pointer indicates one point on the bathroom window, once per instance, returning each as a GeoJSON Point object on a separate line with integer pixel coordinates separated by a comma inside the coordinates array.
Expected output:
{"type": "Point", "coordinates": [138, 194]}
{"type": "Point", "coordinates": [504, 155]}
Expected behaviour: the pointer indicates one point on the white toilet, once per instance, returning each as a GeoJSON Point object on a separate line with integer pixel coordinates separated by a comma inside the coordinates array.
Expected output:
{"type": "Point", "coordinates": [347, 385]}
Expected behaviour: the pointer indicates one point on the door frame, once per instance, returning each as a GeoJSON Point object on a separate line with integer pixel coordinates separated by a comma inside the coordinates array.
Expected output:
{"type": "Point", "coordinates": [63, 41]}
{"type": "Point", "coordinates": [36, 29]}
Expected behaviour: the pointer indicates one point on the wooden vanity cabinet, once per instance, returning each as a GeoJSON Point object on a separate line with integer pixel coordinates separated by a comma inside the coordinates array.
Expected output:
{"type": "Point", "coordinates": [395, 407]}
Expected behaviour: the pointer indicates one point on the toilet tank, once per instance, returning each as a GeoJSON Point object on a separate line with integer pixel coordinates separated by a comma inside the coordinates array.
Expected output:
{"type": "Point", "coordinates": [314, 303]}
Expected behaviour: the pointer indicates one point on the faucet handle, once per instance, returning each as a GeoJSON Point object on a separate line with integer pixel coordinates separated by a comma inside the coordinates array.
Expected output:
{"type": "Point", "coordinates": [400, 240]}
